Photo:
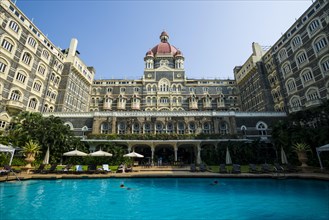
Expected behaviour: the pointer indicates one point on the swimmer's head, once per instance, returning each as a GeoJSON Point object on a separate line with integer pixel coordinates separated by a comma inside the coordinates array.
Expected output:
{"type": "Point", "coordinates": [122, 185]}
{"type": "Point", "coordinates": [215, 181]}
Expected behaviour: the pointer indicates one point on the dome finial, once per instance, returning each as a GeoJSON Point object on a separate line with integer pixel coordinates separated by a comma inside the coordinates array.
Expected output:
{"type": "Point", "coordinates": [164, 37]}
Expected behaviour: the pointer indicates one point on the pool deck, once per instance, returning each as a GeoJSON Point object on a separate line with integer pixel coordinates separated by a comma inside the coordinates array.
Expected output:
{"type": "Point", "coordinates": [169, 173]}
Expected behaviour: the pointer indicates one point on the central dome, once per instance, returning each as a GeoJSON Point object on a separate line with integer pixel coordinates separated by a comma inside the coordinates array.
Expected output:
{"type": "Point", "coordinates": [164, 48]}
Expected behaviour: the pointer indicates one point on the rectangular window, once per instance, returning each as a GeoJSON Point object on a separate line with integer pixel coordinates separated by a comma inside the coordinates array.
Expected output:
{"type": "Point", "coordinates": [33, 103]}
{"type": "Point", "coordinates": [314, 26]}
{"type": "Point", "coordinates": [37, 87]}
{"type": "Point", "coordinates": [307, 76]}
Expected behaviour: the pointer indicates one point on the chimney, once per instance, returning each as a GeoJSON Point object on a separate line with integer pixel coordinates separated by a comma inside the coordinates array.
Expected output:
{"type": "Point", "coordinates": [73, 47]}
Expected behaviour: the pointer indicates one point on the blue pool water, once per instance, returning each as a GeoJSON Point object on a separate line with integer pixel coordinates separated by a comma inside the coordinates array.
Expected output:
{"type": "Point", "coordinates": [165, 198]}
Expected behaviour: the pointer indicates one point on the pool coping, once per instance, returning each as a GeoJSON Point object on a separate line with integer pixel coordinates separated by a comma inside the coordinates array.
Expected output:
{"type": "Point", "coordinates": [165, 174]}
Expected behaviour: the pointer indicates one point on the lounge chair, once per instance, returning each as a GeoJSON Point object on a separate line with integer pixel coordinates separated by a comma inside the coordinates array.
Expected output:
{"type": "Point", "coordinates": [106, 168]}
{"type": "Point", "coordinates": [277, 168]}
{"type": "Point", "coordinates": [92, 168]}
{"type": "Point", "coordinates": [193, 168]}
{"type": "Point", "coordinates": [266, 168]}
{"type": "Point", "coordinates": [222, 168]}
{"type": "Point", "coordinates": [236, 168]}
{"type": "Point", "coordinates": [290, 168]}
{"type": "Point", "coordinates": [253, 168]}
{"type": "Point", "coordinates": [121, 168]}
{"type": "Point", "coordinates": [10, 169]}
{"type": "Point", "coordinates": [78, 169]}
{"type": "Point", "coordinates": [66, 169]}
{"type": "Point", "coordinates": [52, 169]}
{"type": "Point", "coordinates": [40, 168]}
{"type": "Point", "coordinates": [129, 169]}
{"type": "Point", "coordinates": [203, 167]}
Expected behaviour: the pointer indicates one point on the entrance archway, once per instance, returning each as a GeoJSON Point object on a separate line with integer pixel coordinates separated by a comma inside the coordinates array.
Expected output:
{"type": "Point", "coordinates": [164, 155]}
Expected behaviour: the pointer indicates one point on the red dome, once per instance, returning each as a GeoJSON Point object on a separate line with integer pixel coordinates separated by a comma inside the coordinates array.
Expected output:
{"type": "Point", "coordinates": [149, 53]}
{"type": "Point", "coordinates": [164, 48]}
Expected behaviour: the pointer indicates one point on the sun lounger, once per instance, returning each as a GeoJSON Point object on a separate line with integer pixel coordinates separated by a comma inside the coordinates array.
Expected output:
{"type": "Point", "coordinates": [290, 168]}
{"type": "Point", "coordinates": [222, 168]}
{"type": "Point", "coordinates": [277, 168]}
{"type": "Point", "coordinates": [52, 169]}
{"type": "Point", "coordinates": [78, 169]}
{"type": "Point", "coordinates": [66, 169]}
{"type": "Point", "coordinates": [236, 168]}
{"type": "Point", "coordinates": [203, 168]}
{"type": "Point", "coordinates": [266, 168]}
{"type": "Point", "coordinates": [253, 168]}
{"type": "Point", "coordinates": [193, 168]}
{"type": "Point", "coordinates": [92, 168]}
{"type": "Point", "coordinates": [129, 169]}
{"type": "Point", "coordinates": [106, 168]}
{"type": "Point", "coordinates": [10, 169]}
{"type": "Point", "coordinates": [121, 168]}
{"type": "Point", "coordinates": [40, 168]}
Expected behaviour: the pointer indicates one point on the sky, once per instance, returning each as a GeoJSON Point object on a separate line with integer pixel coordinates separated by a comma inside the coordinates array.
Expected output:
{"type": "Point", "coordinates": [114, 36]}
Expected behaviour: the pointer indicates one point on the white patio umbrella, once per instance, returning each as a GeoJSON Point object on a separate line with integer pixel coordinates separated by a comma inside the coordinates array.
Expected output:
{"type": "Point", "coordinates": [75, 153]}
{"type": "Point", "coordinates": [228, 159]}
{"type": "Point", "coordinates": [133, 154]}
{"type": "Point", "coordinates": [46, 159]}
{"type": "Point", "coordinates": [283, 157]}
{"type": "Point", "coordinates": [100, 153]}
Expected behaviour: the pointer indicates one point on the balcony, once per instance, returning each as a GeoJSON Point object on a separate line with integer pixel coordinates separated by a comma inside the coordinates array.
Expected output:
{"type": "Point", "coordinates": [107, 106]}
{"type": "Point", "coordinates": [295, 109]}
{"type": "Point", "coordinates": [14, 106]}
{"type": "Point", "coordinates": [315, 102]}
{"type": "Point", "coordinates": [135, 106]}
{"type": "Point", "coordinates": [193, 106]}
{"type": "Point", "coordinates": [121, 106]}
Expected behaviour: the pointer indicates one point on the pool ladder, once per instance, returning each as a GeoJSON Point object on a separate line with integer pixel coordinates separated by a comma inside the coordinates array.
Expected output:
{"type": "Point", "coordinates": [14, 175]}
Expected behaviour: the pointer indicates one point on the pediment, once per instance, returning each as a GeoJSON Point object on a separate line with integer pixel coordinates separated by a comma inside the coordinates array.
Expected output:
{"type": "Point", "coordinates": [164, 68]}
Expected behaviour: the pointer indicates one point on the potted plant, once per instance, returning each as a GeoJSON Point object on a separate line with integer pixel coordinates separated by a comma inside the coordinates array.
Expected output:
{"type": "Point", "coordinates": [301, 149]}
{"type": "Point", "coordinates": [30, 150]}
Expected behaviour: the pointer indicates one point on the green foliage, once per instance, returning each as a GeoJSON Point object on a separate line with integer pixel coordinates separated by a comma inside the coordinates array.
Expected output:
{"type": "Point", "coordinates": [31, 147]}
{"type": "Point", "coordinates": [301, 147]}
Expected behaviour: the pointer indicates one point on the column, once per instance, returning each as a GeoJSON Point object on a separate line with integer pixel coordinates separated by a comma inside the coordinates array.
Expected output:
{"type": "Point", "coordinates": [152, 155]}
{"type": "Point", "coordinates": [175, 150]}
{"type": "Point", "coordinates": [198, 158]}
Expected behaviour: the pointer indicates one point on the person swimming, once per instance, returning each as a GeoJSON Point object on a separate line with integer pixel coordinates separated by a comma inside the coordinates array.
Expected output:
{"type": "Point", "coordinates": [214, 183]}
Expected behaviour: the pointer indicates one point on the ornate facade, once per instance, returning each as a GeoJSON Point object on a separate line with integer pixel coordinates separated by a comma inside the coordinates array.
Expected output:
{"type": "Point", "coordinates": [164, 86]}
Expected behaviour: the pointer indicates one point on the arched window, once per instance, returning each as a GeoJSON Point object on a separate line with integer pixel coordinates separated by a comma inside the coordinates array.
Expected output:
{"type": "Point", "coordinates": [301, 58]}
{"type": "Point", "coordinates": [283, 54]}
{"type": "Point", "coordinates": [306, 76]}
{"type": "Point", "coordinates": [3, 65]}
{"type": "Point", "coordinates": [181, 127]}
{"type": "Point", "coordinates": [105, 128]}
{"type": "Point", "coordinates": [291, 85]}
{"type": "Point", "coordinates": [320, 43]}
{"type": "Point", "coordinates": [159, 128]}
{"type": "Point", "coordinates": [296, 42]}
{"type": "Point", "coordinates": [223, 128]}
{"type": "Point", "coordinates": [7, 44]}
{"type": "Point", "coordinates": [121, 128]}
{"type": "Point", "coordinates": [21, 77]}
{"type": "Point", "coordinates": [206, 128]}
{"type": "Point", "coordinates": [15, 95]}
{"type": "Point", "coordinates": [314, 26]}
{"type": "Point", "coordinates": [45, 108]}
{"type": "Point", "coordinates": [27, 58]}
{"type": "Point", "coordinates": [244, 130]}
{"type": "Point", "coordinates": [32, 42]}
{"type": "Point", "coordinates": [312, 94]}
{"type": "Point", "coordinates": [147, 128]}
{"type": "Point", "coordinates": [324, 65]}
{"type": "Point", "coordinates": [170, 128]}
{"type": "Point", "coordinates": [191, 128]}
{"type": "Point", "coordinates": [262, 128]}
{"type": "Point", "coordinates": [42, 69]}
{"type": "Point", "coordinates": [37, 86]}
{"type": "Point", "coordinates": [164, 85]}
{"type": "Point", "coordinates": [33, 103]}
{"type": "Point", "coordinates": [14, 26]}
{"type": "Point", "coordinates": [295, 102]}
{"type": "Point", "coordinates": [286, 69]}
{"type": "Point", "coordinates": [136, 128]}
{"type": "Point", "coordinates": [45, 54]}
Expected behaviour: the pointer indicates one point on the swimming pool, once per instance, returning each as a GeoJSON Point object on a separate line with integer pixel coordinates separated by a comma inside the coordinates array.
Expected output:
{"type": "Point", "coordinates": [165, 198]}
